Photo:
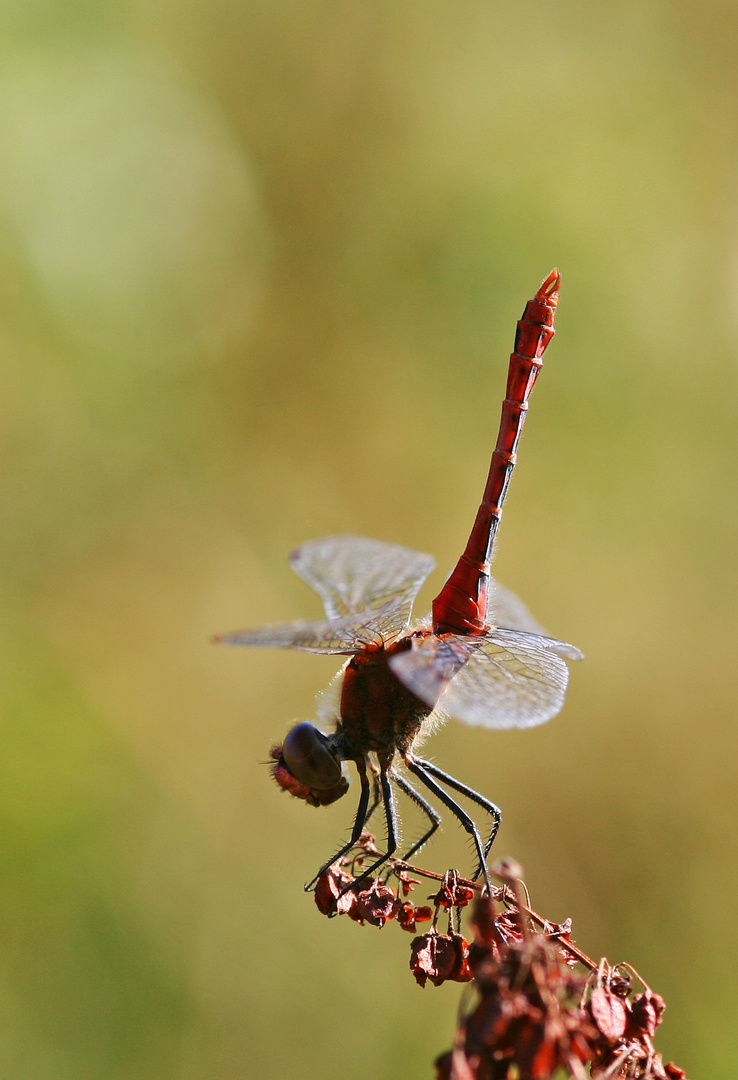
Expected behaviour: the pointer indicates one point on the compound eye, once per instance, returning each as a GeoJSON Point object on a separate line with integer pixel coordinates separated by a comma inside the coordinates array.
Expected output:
{"type": "Point", "coordinates": [311, 758]}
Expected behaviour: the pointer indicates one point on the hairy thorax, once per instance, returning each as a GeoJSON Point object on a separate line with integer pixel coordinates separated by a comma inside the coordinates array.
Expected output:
{"type": "Point", "coordinates": [377, 712]}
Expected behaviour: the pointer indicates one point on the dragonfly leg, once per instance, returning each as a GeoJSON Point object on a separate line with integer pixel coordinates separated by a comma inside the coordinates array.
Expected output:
{"type": "Point", "coordinates": [423, 771]}
{"type": "Point", "coordinates": [492, 808]}
{"type": "Point", "coordinates": [433, 816]}
{"type": "Point", "coordinates": [390, 812]}
{"type": "Point", "coordinates": [362, 813]}
{"type": "Point", "coordinates": [376, 798]}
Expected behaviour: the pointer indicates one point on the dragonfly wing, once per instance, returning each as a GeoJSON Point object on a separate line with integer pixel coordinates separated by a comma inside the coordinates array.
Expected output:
{"type": "Point", "coordinates": [563, 648]}
{"type": "Point", "coordinates": [502, 679]}
{"type": "Point", "coordinates": [428, 667]}
{"type": "Point", "coordinates": [344, 636]}
{"type": "Point", "coordinates": [353, 574]}
{"type": "Point", "coordinates": [509, 612]}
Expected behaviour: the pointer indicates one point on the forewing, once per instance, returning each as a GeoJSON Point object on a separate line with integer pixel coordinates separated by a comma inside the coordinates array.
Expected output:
{"type": "Point", "coordinates": [353, 574]}
{"type": "Point", "coordinates": [502, 679]}
{"type": "Point", "coordinates": [345, 636]}
{"type": "Point", "coordinates": [509, 612]}
{"type": "Point", "coordinates": [428, 667]}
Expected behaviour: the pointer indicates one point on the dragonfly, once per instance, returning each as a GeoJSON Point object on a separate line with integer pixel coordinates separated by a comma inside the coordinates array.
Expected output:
{"type": "Point", "coordinates": [479, 657]}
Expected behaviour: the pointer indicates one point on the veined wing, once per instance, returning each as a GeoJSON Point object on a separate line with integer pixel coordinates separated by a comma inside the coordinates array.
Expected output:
{"type": "Point", "coordinates": [502, 679]}
{"type": "Point", "coordinates": [353, 574]}
{"type": "Point", "coordinates": [345, 636]}
{"type": "Point", "coordinates": [509, 612]}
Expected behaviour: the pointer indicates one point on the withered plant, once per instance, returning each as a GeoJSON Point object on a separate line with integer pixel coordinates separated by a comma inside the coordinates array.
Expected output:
{"type": "Point", "coordinates": [534, 1005]}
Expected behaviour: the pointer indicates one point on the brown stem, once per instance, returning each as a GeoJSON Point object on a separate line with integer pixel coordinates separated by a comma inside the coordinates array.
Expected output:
{"type": "Point", "coordinates": [505, 895]}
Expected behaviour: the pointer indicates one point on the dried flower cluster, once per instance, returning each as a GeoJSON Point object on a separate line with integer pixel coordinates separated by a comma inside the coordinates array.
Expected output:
{"type": "Point", "coordinates": [536, 1004]}
{"type": "Point", "coordinates": [366, 899]}
{"type": "Point", "coordinates": [536, 1012]}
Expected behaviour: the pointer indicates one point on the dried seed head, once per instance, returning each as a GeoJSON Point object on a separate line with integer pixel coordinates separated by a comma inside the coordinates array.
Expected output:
{"type": "Point", "coordinates": [440, 957]}
{"type": "Point", "coordinates": [408, 916]}
{"type": "Point", "coordinates": [646, 1013]}
{"type": "Point", "coordinates": [330, 897]}
{"type": "Point", "coordinates": [608, 1012]}
{"type": "Point", "coordinates": [376, 904]}
{"type": "Point", "coordinates": [452, 893]}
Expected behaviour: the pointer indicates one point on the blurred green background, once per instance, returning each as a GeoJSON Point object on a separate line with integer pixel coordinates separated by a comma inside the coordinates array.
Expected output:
{"type": "Point", "coordinates": [260, 268]}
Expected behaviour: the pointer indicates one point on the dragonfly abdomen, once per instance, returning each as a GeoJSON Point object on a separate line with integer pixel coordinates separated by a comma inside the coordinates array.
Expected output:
{"type": "Point", "coordinates": [461, 606]}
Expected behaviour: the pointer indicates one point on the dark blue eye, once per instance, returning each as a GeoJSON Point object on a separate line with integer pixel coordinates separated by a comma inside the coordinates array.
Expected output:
{"type": "Point", "coordinates": [311, 757]}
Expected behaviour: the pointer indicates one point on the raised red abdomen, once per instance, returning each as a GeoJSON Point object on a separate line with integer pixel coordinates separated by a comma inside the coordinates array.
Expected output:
{"type": "Point", "coordinates": [461, 606]}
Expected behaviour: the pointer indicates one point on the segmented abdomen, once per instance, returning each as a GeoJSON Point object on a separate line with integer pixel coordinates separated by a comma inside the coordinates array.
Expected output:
{"type": "Point", "coordinates": [461, 606]}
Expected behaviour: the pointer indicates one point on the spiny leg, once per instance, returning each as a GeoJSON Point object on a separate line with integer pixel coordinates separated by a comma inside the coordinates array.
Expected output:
{"type": "Point", "coordinates": [492, 808]}
{"type": "Point", "coordinates": [390, 812]}
{"type": "Point", "coordinates": [361, 815]}
{"type": "Point", "coordinates": [376, 797]}
{"type": "Point", "coordinates": [420, 769]}
{"type": "Point", "coordinates": [432, 814]}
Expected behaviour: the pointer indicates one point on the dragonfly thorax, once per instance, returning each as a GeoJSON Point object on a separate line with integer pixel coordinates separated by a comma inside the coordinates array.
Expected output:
{"type": "Point", "coordinates": [377, 712]}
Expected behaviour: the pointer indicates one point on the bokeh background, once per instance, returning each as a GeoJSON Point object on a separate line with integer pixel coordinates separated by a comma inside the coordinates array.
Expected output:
{"type": "Point", "coordinates": [260, 266]}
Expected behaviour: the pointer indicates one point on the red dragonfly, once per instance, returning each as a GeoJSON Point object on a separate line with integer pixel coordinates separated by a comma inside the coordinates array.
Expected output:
{"type": "Point", "coordinates": [481, 657]}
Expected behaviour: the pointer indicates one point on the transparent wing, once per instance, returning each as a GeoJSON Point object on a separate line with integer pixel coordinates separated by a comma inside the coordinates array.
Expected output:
{"type": "Point", "coordinates": [502, 679]}
{"type": "Point", "coordinates": [563, 648]}
{"type": "Point", "coordinates": [510, 613]}
{"type": "Point", "coordinates": [352, 574]}
{"type": "Point", "coordinates": [508, 610]}
{"type": "Point", "coordinates": [346, 635]}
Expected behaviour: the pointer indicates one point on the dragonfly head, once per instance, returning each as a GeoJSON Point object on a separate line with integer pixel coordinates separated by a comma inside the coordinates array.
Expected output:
{"type": "Point", "coordinates": [308, 765]}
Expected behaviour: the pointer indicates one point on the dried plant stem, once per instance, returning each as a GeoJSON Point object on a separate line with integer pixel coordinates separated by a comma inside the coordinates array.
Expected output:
{"type": "Point", "coordinates": [504, 894]}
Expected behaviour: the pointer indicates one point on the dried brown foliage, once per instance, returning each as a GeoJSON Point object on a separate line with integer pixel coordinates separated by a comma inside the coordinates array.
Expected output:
{"type": "Point", "coordinates": [535, 1004]}
{"type": "Point", "coordinates": [538, 1011]}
